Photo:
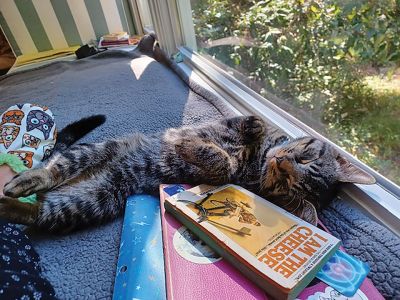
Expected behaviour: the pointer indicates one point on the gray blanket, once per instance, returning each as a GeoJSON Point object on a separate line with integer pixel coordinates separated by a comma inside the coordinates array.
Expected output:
{"type": "Point", "coordinates": [139, 94]}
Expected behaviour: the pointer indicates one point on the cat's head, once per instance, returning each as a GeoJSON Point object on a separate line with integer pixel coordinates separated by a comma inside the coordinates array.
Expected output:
{"type": "Point", "coordinates": [306, 169]}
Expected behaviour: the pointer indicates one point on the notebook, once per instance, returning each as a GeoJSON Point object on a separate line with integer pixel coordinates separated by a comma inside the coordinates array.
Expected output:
{"type": "Point", "coordinates": [140, 268]}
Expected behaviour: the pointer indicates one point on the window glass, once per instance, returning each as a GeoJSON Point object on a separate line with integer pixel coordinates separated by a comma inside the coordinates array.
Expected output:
{"type": "Point", "coordinates": [145, 16]}
{"type": "Point", "coordinates": [332, 64]}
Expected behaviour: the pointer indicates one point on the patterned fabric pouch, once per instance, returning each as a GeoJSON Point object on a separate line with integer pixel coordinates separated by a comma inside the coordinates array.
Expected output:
{"type": "Point", "coordinates": [27, 137]}
{"type": "Point", "coordinates": [27, 131]}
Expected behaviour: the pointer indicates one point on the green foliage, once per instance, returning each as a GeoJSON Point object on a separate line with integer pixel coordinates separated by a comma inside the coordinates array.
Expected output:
{"type": "Point", "coordinates": [309, 53]}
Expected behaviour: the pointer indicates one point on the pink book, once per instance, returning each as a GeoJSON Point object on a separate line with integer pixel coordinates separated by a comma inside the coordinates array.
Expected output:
{"type": "Point", "coordinates": [194, 271]}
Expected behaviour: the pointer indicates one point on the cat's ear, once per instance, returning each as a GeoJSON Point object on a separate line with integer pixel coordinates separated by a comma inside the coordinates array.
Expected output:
{"type": "Point", "coordinates": [347, 172]}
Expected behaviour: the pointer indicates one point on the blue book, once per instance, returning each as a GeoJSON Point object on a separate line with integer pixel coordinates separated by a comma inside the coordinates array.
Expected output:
{"type": "Point", "coordinates": [140, 268]}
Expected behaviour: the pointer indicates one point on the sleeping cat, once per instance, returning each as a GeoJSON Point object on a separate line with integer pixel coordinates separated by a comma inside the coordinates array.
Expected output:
{"type": "Point", "coordinates": [89, 183]}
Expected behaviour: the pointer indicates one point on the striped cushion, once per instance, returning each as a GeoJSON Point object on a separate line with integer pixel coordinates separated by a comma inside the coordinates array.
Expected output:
{"type": "Point", "coordinates": [33, 26]}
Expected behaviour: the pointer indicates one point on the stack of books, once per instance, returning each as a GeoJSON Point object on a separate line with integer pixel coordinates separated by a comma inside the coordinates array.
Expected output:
{"type": "Point", "coordinates": [228, 243]}
{"type": "Point", "coordinates": [117, 39]}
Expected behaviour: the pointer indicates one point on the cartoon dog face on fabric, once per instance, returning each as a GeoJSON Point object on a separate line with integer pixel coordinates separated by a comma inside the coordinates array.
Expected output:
{"type": "Point", "coordinates": [38, 119]}
{"type": "Point", "coordinates": [13, 116]}
{"type": "Point", "coordinates": [30, 141]}
{"type": "Point", "coordinates": [25, 156]}
{"type": "Point", "coordinates": [8, 134]}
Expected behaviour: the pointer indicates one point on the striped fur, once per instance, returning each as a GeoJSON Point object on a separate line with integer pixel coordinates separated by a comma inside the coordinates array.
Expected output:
{"type": "Point", "coordinates": [89, 183]}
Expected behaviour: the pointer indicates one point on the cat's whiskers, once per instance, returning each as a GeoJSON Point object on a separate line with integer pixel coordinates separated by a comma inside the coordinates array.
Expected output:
{"type": "Point", "coordinates": [301, 203]}
{"type": "Point", "coordinates": [290, 202]}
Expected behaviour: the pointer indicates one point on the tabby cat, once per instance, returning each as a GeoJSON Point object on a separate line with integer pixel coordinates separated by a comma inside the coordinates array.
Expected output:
{"type": "Point", "coordinates": [89, 183]}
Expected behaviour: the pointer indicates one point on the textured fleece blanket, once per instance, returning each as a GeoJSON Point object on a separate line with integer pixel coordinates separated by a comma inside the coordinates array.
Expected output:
{"type": "Point", "coordinates": [138, 93]}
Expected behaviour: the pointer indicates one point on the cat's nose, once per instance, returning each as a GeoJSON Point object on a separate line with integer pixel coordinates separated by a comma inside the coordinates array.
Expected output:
{"type": "Point", "coordinates": [279, 159]}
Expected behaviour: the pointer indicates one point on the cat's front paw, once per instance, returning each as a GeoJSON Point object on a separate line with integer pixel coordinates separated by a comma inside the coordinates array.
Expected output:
{"type": "Point", "coordinates": [185, 149]}
{"type": "Point", "coordinates": [253, 128]}
{"type": "Point", "coordinates": [28, 183]}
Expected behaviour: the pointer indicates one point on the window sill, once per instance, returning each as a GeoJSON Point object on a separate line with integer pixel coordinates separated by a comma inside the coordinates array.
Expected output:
{"type": "Point", "coordinates": [381, 200]}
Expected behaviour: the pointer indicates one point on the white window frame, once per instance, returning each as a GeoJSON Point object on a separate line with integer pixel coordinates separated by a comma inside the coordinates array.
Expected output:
{"type": "Point", "coordinates": [175, 29]}
{"type": "Point", "coordinates": [141, 16]}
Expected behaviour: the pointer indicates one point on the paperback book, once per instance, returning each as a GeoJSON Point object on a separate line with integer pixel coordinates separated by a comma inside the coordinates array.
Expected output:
{"type": "Point", "coordinates": [193, 270]}
{"type": "Point", "coordinates": [278, 251]}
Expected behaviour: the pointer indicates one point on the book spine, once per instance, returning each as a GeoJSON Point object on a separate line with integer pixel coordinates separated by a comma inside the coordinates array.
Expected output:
{"type": "Point", "coordinates": [114, 44]}
{"type": "Point", "coordinates": [311, 275]}
{"type": "Point", "coordinates": [166, 247]}
{"type": "Point", "coordinates": [271, 289]}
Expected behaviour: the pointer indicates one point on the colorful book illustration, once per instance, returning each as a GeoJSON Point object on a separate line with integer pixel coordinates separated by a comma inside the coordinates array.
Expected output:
{"type": "Point", "coordinates": [343, 282]}
{"type": "Point", "coordinates": [276, 250]}
{"type": "Point", "coordinates": [344, 273]}
{"type": "Point", "coordinates": [140, 268]}
{"type": "Point", "coordinates": [189, 255]}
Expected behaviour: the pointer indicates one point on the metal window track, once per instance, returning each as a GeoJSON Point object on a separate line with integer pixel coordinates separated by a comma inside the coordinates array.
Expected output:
{"type": "Point", "coordinates": [380, 200]}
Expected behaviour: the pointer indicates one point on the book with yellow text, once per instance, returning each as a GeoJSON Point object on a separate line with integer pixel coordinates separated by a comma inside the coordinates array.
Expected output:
{"type": "Point", "coordinates": [278, 251]}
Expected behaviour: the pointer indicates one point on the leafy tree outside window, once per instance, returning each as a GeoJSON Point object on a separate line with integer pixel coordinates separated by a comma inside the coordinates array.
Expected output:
{"type": "Point", "coordinates": [335, 65]}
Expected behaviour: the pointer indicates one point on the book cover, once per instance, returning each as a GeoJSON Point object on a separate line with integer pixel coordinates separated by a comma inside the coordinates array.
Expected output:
{"type": "Point", "coordinates": [193, 270]}
{"type": "Point", "coordinates": [140, 268]}
{"type": "Point", "coordinates": [276, 250]}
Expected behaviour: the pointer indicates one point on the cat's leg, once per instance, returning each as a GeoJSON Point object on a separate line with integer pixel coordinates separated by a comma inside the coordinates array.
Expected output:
{"type": "Point", "coordinates": [250, 129]}
{"type": "Point", "coordinates": [63, 167]}
{"type": "Point", "coordinates": [197, 148]}
{"type": "Point", "coordinates": [87, 203]}
{"type": "Point", "coordinates": [207, 156]}
{"type": "Point", "coordinates": [69, 207]}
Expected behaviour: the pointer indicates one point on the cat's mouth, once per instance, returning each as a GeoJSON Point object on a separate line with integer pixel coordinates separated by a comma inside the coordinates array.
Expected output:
{"type": "Point", "coordinates": [277, 176]}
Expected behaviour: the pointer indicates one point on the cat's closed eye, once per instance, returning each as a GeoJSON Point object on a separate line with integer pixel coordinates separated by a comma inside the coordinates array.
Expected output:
{"type": "Point", "coordinates": [305, 159]}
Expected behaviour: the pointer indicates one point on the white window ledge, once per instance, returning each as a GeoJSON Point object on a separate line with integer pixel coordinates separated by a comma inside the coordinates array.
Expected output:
{"type": "Point", "coordinates": [380, 200]}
